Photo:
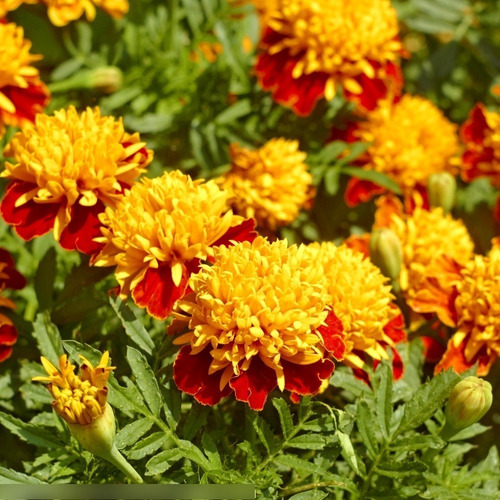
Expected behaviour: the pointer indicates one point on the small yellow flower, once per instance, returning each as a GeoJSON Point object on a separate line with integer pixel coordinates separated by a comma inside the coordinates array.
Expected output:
{"type": "Point", "coordinates": [270, 184]}
{"type": "Point", "coordinates": [62, 12]}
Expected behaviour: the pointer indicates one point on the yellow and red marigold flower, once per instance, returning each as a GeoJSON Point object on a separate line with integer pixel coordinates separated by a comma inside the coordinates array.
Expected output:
{"type": "Point", "coordinates": [403, 145]}
{"type": "Point", "coordinates": [8, 5]}
{"type": "Point", "coordinates": [159, 232]}
{"type": "Point", "coordinates": [62, 12]}
{"type": "Point", "coordinates": [9, 278]}
{"type": "Point", "coordinates": [258, 318]}
{"type": "Point", "coordinates": [78, 399]}
{"type": "Point", "coordinates": [270, 184]}
{"type": "Point", "coordinates": [66, 169]}
{"type": "Point", "coordinates": [362, 300]}
{"type": "Point", "coordinates": [22, 94]}
{"type": "Point", "coordinates": [310, 49]}
{"type": "Point", "coordinates": [481, 137]}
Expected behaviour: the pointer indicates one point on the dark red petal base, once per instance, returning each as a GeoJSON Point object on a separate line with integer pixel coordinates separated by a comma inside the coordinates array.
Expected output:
{"type": "Point", "coordinates": [333, 336]}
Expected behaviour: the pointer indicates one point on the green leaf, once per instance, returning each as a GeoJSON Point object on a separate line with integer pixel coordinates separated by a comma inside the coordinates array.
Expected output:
{"type": "Point", "coordinates": [195, 420]}
{"type": "Point", "coordinates": [162, 462]}
{"type": "Point", "coordinates": [284, 415]}
{"type": "Point", "coordinates": [193, 453]}
{"type": "Point", "coordinates": [427, 400]}
{"type": "Point", "coordinates": [348, 450]}
{"type": "Point", "coordinates": [383, 397]}
{"type": "Point", "coordinates": [401, 469]}
{"type": "Point", "coordinates": [331, 180]}
{"type": "Point", "coordinates": [9, 476]}
{"type": "Point", "coordinates": [417, 442]}
{"type": "Point", "coordinates": [129, 434]}
{"type": "Point", "coordinates": [309, 495]}
{"type": "Point", "coordinates": [29, 432]}
{"type": "Point", "coordinates": [145, 380]}
{"type": "Point", "coordinates": [263, 431]}
{"type": "Point", "coordinates": [210, 449]}
{"type": "Point", "coordinates": [44, 279]}
{"type": "Point", "coordinates": [347, 381]}
{"type": "Point", "coordinates": [303, 466]}
{"type": "Point", "coordinates": [126, 399]}
{"type": "Point", "coordinates": [470, 432]}
{"type": "Point", "coordinates": [231, 114]}
{"type": "Point", "coordinates": [172, 406]}
{"type": "Point", "coordinates": [307, 442]}
{"type": "Point", "coordinates": [148, 445]}
{"type": "Point", "coordinates": [365, 420]}
{"type": "Point", "coordinates": [133, 327]}
{"type": "Point", "coordinates": [47, 337]}
{"type": "Point", "coordinates": [377, 178]}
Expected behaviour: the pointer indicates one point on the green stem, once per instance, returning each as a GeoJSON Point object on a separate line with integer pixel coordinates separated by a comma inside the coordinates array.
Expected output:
{"type": "Point", "coordinates": [306, 487]}
{"type": "Point", "coordinates": [119, 461]}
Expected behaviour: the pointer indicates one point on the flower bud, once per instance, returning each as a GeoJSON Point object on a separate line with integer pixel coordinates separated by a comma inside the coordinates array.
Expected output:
{"type": "Point", "coordinates": [442, 188]}
{"type": "Point", "coordinates": [107, 79]}
{"type": "Point", "coordinates": [469, 400]}
{"type": "Point", "coordinates": [386, 252]}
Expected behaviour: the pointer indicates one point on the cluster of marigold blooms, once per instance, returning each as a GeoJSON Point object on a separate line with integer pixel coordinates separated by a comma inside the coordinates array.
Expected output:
{"type": "Point", "coordinates": [252, 313]}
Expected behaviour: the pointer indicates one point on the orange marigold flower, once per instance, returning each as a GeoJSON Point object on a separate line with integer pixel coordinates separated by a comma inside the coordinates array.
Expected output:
{"type": "Point", "coordinates": [67, 168]}
{"type": "Point", "coordinates": [270, 184]}
{"type": "Point", "coordinates": [159, 232]}
{"type": "Point", "coordinates": [22, 94]}
{"type": "Point", "coordinates": [9, 278]}
{"type": "Point", "coordinates": [362, 300]}
{"type": "Point", "coordinates": [78, 399]}
{"type": "Point", "coordinates": [62, 12]}
{"type": "Point", "coordinates": [8, 5]}
{"type": "Point", "coordinates": [403, 145]}
{"type": "Point", "coordinates": [309, 49]}
{"type": "Point", "coordinates": [258, 318]}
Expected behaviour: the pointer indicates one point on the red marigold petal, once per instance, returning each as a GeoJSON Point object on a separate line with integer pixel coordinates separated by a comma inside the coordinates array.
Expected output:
{"type": "Point", "coordinates": [433, 350]}
{"type": "Point", "coordinates": [474, 128]}
{"type": "Point", "coordinates": [395, 328]}
{"type": "Point", "coordinates": [28, 101]}
{"type": "Point", "coordinates": [5, 352]}
{"type": "Point", "coordinates": [191, 376]}
{"type": "Point", "coordinates": [294, 398]}
{"type": "Point", "coordinates": [15, 280]}
{"type": "Point", "coordinates": [83, 227]}
{"type": "Point", "coordinates": [306, 379]}
{"type": "Point", "coordinates": [30, 219]}
{"type": "Point", "coordinates": [254, 385]}
{"type": "Point", "coordinates": [8, 335]}
{"type": "Point", "coordinates": [242, 232]}
{"type": "Point", "coordinates": [157, 292]}
{"type": "Point", "coordinates": [346, 135]}
{"type": "Point", "coordinates": [360, 191]}
{"type": "Point", "coordinates": [333, 336]}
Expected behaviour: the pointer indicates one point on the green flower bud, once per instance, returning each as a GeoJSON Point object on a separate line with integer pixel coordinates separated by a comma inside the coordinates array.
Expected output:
{"type": "Point", "coordinates": [442, 188]}
{"type": "Point", "coordinates": [107, 79]}
{"type": "Point", "coordinates": [386, 252]}
{"type": "Point", "coordinates": [469, 400]}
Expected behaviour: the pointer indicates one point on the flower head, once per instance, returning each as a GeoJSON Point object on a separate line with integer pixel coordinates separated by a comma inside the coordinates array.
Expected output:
{"type": "Point", "coordinates": [257, 318]}
{"type": "Point", "coordinates": [403, 145]}
{"type": "Point", "coordinates": [360, 297]}
{"type": "Point", "coordinates": [8, 5]}
{"type": "Point", "coordinates": [9, 278]}
{"type": "Point", "coordinates": [67, 168]}
{"type": "Point", "coordinates": [270, 184]}
{"type": "Point", "coordinates": [79, 399]}
{"type": "Point", "coordinates": [158, 233]}
{"type": "Point", "coordinates": [310, 49]}
{"type": "Point", "coordinates": [62, 12]}
{"type": "Point", "coordinates": [22, 94]}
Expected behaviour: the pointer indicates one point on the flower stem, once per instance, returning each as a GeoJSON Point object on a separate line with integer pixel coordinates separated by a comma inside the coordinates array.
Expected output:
{"type": "Point", "coordinates": [119, 461]}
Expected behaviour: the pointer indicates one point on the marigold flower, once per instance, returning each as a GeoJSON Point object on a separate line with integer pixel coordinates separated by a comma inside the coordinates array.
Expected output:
{"type": "Point", "coordinates": [8, 5]}
{"type": "Point", "coordinates": [159, 232]}
{"type": "Point", "coordinates": [403, 145]}
{"type": "Point", "coordinates": [22, 94]}
{"type": "Point", "coordinates": [362, 300]}
{"type": "Point", "coordinates": [62, 12]}
{"type": "Point", "coordinates": [9, 278]}
{"type": "Point", "coordinates": [67, 168]}
{"type": "Point", "coordinates": [270, 184]}
{"type": "Point", "coordinates": [310, 49]}
{"type": "Point", "coordinates": [258, 318]}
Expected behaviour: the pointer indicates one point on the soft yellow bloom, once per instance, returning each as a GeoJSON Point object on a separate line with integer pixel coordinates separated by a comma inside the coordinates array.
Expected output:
{"type": "Point", "coordinates": [360, 297]}
{"type": "Point", "coordinates": [62, 12]}
{"type": "Point", "coordinates": [270, 184]}
{"type": "Point", "coordinates": [79, 399]}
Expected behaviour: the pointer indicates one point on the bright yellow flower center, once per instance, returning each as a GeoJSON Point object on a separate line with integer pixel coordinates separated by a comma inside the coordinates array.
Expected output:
{"type": "Point", "coordinates": [257, 299]}
{"type": "Point", "coordinates": [405, 145]}
{"type": "Point", "coordinates": [361, 299]}
{"type": "Point", "coordinates": [270, 184]}
{"type": "Point", "coordinates": [335, 36]}
{"type": "Point", "coordinates": [68, 156]}
{"type": "Point", "coordinates": [478, 306]}
{"type": "Point", "coordinates": [15, 62]}
{"type": "Point", "coordinates": [424, 236]}
{"type": "Point", "coordinates": [170, 219]}
{"type": "Point", "coordinates": [78, 399]}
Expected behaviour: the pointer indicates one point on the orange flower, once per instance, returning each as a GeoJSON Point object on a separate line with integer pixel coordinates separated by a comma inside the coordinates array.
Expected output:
{"type": "Point", "coordinates": [22, 94]}
{"type": "Point", "coordinates": [9, 278]}
{"type": "Point", "coordinates": [67, 168]}
{"type": "Point", "coordinates": [310, 49]}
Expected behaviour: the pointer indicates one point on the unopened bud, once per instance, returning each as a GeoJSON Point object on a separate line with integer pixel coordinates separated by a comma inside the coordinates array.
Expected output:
{"type": "Point", "coordinates": [469, 400]}
{"type": "Point", "coordinates": [386, 252]}
{"type": "Point", "coordinates": [107, 79]}
{"type": "Point", "coordinates": [442, 188]}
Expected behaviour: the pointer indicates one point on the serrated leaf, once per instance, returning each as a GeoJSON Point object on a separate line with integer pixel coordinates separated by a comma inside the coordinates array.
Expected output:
{"type": "Point", "coordinates": [48, 337]}
{"type": "Point", "coordinates": [418, 442]}
{"type": "Point", "coordinates": [309, 495]}
{"type": "Point", "coordinates": [469, 432]}
{"type": "Point", "coordinates": [127, 399]}
{"type": "Point", "coordinates": [284, 415]}
{"type": "Point", "coordinates": [132, 432]}
{"type": "Point", "coordinates": [172, 406]}
{"type": "Point", "coordinates": [377, 178]}
{"type": "Point", "coordinates": [301, 466]}
{"type": "Point", "coordinates": [9, 476]}
{"type": "Point", "coordinates": [195, 420]}
{"type": "Point", "coordinates": [29, 432]}
{"type": "Point", "coordinates": [383, 397]}
{"type": "Point", "coordinates": [365, 420]}
{"type": "Point", "coordinates": [148, 445]}
{"type": "Point", "coordinates": [348, 450]}
{"type": "Point", "coordinates": [210, 450]}
{"type": "Point", "coordinates": [307, 442]}
{"type": "Point", "coordinates": [193, 453]}
{"type": "Point", "coordinates": [427, 400]}
{"type": "Point", "coordinates": [401, 469]}
{"type": "Point", "coordinates": [145, 380]}
{"type": "Point", "coordinates": [162, 462]}
{"type": "Point", "coordinates": [133, 327]}
{"type": "Point", "coordinates": [348, 382]}
{"type": "Point", "coordinates": [264, 432]}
